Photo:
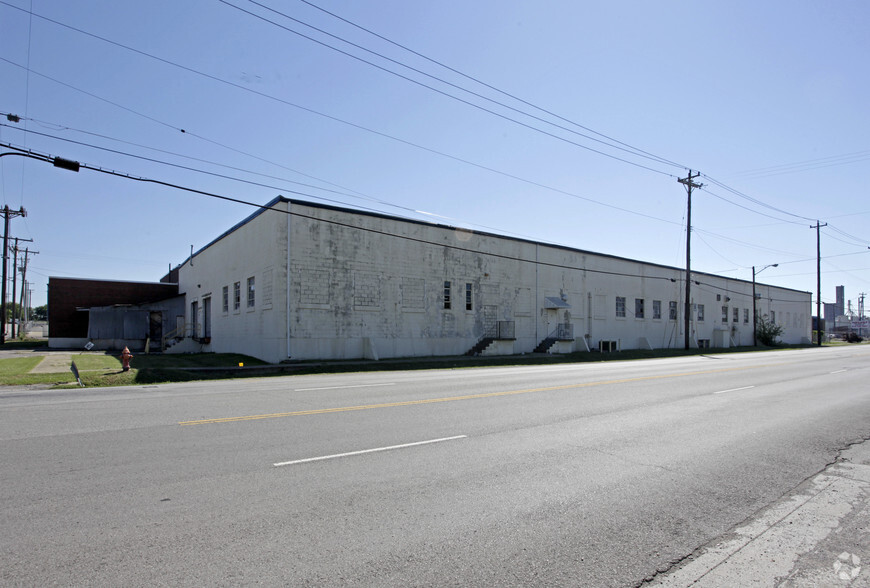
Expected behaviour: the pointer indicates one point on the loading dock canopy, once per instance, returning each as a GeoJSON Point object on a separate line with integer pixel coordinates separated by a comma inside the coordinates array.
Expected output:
{"type": "Point", "coordinates": [556, 302]}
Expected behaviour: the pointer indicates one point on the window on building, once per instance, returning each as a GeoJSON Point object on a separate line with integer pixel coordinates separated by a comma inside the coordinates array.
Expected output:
{"type": "Point", "coordinates": [745, 316]}
{"type": "Point", "coordinates": [446, 295]}
{"type": "Point", "coordinates": [700, 313]}
{"type": "Point", "coordinates": [657, 310]}
{"type": "Point", "coordinates": [251, 292]}
{"type": "Point", "coordinates": [772, 317]}
{"type": "Point", "coordinates": [724, 314]}
{"type": "Point", "coordinates": [225, 299]}
{"type": "Point", "coordinates": [736, 315]}
{"type": "Point", "coordinates": [620, 306]}
{"type": "Point", "coordinates": [672, 310]}
{"type": "Point", "coordinates": [237, 295]}
{"type": "Point", "coordinates": [468, 305]}
{"type": "Point", "coordinates": [638, 308]}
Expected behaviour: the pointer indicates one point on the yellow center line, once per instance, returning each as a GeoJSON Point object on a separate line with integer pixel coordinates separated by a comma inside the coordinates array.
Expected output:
{"type": "Point", "coordinates": [277, 415]}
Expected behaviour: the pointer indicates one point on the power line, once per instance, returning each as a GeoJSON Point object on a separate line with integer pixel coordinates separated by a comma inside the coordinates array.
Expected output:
{"type": "Point", "coordinates": [806, 165]}
{"type": "Point", "coordinates": [312, 111]}
{"type": "Point", "coordinates": [620, 145]}
{"type": "Point", "coordinates": [76, 166]}
{"type": "Point", "coordinates": [366, 129]}
{"type": "Point", "coordinates": [746, 243]}
{"type": "Point", "coordinates": [531, 182]}
{"type": "Point", "coordinates": [491, 87]}
{"type": "Point", "coordinates": [457, 98]}
{"type": "Point", "coordinates": [336, 119]}
{"type": "Point", "coordinates": [858, 240]}
{"type": "Point", "coordinates": [629, 149]}
{"type": "Point", "coordinates": [753, 200]}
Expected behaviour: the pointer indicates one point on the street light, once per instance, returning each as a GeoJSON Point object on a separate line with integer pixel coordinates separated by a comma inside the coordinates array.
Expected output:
{"type": "Point", "coordinates": [754, 309]}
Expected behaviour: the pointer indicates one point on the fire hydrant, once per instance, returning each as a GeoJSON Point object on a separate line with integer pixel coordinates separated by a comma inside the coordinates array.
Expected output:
{"type": "Point", "coordinates": [126, 356]}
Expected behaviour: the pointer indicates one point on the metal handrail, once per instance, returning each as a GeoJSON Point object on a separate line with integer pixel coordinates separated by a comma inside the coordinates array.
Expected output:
{"type": "Point", "coordinates": [176, 333]}
{"type": "Point", "coordinates": [563, 332]}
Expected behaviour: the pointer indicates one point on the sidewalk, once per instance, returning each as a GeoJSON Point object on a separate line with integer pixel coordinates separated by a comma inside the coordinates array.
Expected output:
{"type": "Point", "coordinates": [53, 363]}
{"type": "Point", "coordinates": [818, 536]}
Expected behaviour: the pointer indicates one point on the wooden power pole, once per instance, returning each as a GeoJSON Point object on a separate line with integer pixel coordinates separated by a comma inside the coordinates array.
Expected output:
{"type": "Point", "coordinates": [7, 214]}
{"type": "Point", "coordinates": [689, 184]}
{"type": "Point", "coordinates": [818, 227]}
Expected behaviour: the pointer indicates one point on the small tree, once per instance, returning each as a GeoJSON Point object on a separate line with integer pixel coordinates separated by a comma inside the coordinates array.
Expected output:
{"type": "Point", "coordinates": [767, 331]}
{"type": "Point", "coordinates": [40, 313]}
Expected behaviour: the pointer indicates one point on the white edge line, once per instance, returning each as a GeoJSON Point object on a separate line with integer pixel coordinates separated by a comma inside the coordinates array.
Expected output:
{"type": "Point", "coordinates": [839, 371]}
{"type": "Point", "coordinates": [734, 390]}
{"type": "Point", "coordinates": [343, 387]}
{"type": "Point", "coordinates": [361, 452]}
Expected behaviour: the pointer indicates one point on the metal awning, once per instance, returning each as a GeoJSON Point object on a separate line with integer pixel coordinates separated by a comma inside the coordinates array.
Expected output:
{"type": "Point", "coordinates": [556, 302]}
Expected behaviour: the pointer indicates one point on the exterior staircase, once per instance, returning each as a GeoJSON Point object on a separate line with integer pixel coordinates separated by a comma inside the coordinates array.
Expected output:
{"type": "Point", "coordinates": [545, 345]}
{"type": "Point", "coordinates": [480, 346]}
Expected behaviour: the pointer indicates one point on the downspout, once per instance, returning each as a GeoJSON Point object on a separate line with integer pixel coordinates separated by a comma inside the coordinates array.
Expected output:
{"type": "Point", "coordinates": [537, 298]}
{"type": "Point", "coordinates": [287, 306]}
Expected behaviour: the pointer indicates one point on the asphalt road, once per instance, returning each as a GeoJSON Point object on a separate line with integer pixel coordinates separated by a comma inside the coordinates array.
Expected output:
{"type": "Point", "coordinates": [568, 475]}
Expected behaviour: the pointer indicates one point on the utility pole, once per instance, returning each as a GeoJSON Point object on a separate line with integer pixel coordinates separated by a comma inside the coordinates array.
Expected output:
{"type": "Point", "coordinates": [22, 307]}
{"type": "Point", "coordinates": [7, 214]}
{"type": "Point", "coordinates": [818, 226]}
{"type": "Point", "coordinates": [689, 184]}
{"type": "Point", "coordinates": [15, 251]}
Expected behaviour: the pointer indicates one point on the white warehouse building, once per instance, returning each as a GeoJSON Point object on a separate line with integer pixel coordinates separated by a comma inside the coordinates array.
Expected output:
{"type": "Point", "coordinates": [299, 280]}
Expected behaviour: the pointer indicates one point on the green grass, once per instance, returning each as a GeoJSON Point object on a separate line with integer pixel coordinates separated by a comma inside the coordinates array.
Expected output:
{"type": "Point", "coordinates": [100, 370]}
{"type": "Point", "coordinates": [104, 369]}
{"type": "Point", "coordinates": [16, 366]}
{"type": "Point", "coordinates": [15, 372]}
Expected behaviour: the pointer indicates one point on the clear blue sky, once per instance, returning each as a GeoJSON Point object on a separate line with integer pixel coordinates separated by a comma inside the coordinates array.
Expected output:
{"type": "Point", "coordinates": [768, 98]}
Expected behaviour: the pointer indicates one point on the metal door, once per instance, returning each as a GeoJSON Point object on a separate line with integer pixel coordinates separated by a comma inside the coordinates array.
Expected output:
{"type": "Point", "coordinates": [155, 320]}
{"type": "Point", "coordinates": [206, 317]}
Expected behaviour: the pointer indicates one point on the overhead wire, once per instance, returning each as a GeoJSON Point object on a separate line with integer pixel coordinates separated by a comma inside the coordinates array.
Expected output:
{"type": "Point", "coordinates": [489, 86]}
{"type": "Point", "coordinates": [857, 240]}
{"type": "Point", "coordinates": [312, 111]}
{"type": "Point", "coordinates": [215, 78]}
{"type": "Point", "coordinates": [744, 243]}
{"type": "Point", "coordinates": [47, 158]}
{"type": "Point", "coordinates": [557, 190]}
{"type": "Point", "coordinates": [713, 249]}
{"type": "Point", "coordinates": [379, 133]}
{"type": "Point", "coordinates": [628, 148]}
{"type": "Point", "coordinates": [462, 100]}
{"type": "Point", "coordinates": [806, 165]}
{"type": "Point", "coordinates": [753, 200]}
{"type": "Point", "coordinates": [350, 194]}
{"type": "Point", "coordinates": [620, 145]}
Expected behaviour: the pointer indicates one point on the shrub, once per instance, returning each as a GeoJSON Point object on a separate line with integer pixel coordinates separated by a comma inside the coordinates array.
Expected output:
{"type": "Point", "coordinates": [767, 331]}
